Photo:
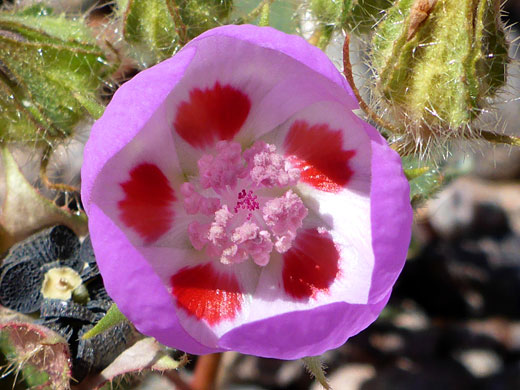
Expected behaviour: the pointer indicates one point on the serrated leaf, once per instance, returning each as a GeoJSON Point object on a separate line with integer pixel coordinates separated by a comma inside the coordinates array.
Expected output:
{"type": "Point", "coordinates": [25, 210]}
{"type": "Point", "coordinates": [146, 354]}
{"type": "Point", "coordinates": [111, 318]}
{"type": "Point", "coordinates": [46, 61]}
{"type": "Point", "coordinates": [37, 354]}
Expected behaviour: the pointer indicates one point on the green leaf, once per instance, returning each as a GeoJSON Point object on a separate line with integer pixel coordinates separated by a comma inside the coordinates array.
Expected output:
{"type": "Point", "coordinates": [112, 318]}
{"type": "Point", "coordinates": [46, 61]}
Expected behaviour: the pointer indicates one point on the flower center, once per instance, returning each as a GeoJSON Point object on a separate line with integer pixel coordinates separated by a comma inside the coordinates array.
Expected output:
{"type": "Point", "coordinates": [247, 201]}
{"type": "Point", "coordinates": [260, 221]}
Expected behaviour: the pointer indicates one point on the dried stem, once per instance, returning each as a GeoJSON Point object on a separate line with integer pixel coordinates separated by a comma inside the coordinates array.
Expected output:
{"type": "Point", "coordinates": [206, 371]}
{"type": "Point", "coordinates": [500, 138]}
{"type": "Point", "coordinates": [347, 71]}
{"type": "Point", "coordinates": [44, 163]}
{"type": "Point", "coordinates": [180, 27]}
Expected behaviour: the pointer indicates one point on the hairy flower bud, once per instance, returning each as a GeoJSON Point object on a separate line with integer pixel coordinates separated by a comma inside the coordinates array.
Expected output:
{"type": "Point", "coordinates": [438, 62]}
{"type": "Point", "coordinates": [360, 16]}
{"type": "Point", "coordinates": [47, 64]}
{"type": "Point", "coordinates": [155, 29]}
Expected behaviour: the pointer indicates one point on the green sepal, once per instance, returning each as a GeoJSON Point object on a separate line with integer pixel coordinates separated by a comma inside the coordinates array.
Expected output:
{"type": "Point", "coordinates": [156, 29]}
{"type": "Point", "coordinates": [112, 318]}
{"type": "Point", "coordinates": [201, 15]}
{"type": "Point", "coordinates": [264, 15]}
{"type": "Point", "coordinates": [361, 16]}
{"type": "Point", "coordinates": [46, 61]}
{"type": "Point", "coordinates": [149, 28]}
{"type": "Point", "coordinates": [144, 356]}
{"type": "Point", "coordinates": [414, 173]}
{"type": "Point", "coordinates": [327, 12]}
{"type": "Point", "coordinates": [424, 181]}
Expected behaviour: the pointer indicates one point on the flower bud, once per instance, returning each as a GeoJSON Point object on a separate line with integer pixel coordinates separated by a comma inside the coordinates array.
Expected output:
{"type": "Point", "coordinates": [438, 62]}
{"type": "Point", "coordinates": [360, 16]}
{"type": "Point", "coordinates": [45, 63]}
{"type": "Point", "coordinates": [156, 29]}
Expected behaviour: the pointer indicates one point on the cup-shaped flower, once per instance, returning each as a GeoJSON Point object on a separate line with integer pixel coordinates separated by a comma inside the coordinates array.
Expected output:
{"type": "Point", "coordinates": [236, 202]}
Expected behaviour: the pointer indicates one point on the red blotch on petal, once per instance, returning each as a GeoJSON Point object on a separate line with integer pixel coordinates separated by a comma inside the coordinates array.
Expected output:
{"type": "Point", "coordinates": [310, 265]}
{"type": "Point", "coordinates": [206, 294]}
{"type": "Point", "coordinates": [212, 115]}
{"type": "Point", "coordinates": [317, 152]}
{"type": "Point", "coordinates": [146, 207]}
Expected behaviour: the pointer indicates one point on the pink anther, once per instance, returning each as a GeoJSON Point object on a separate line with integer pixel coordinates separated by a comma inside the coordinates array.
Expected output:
{"type": "Point", "coordinates": [223, 169]}
{"type": "Point", "coordinates": [268, 168]}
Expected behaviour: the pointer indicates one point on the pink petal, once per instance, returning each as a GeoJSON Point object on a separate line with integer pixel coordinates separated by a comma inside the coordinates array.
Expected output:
{"type": "Point", "coordinates": [292, 46]}
{"type": "Point", "coordinates": [391, 216]}
{"type": "Point", "coordinates": [317, 151]}
{"type": "Point", "coordinates": [203, 293]}
{"type": "Point", "coordinates": [274, 82]}
{"type": "Point", "coordinates": [146, 207]}
{"type": "Point", "coordinates": [310, 265]}
{"type": "Point", "coordinates": [211, 115]}
{"type": "Point", "coordinates": [136, 287]}
{"type": "Point", "coordinates": [133, 105]}
{"type": "Point", "coordinates": [299, 333]}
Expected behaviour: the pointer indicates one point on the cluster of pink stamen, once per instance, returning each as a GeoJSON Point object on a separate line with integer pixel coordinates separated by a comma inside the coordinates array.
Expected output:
{"type": "Point", "coordinates": [260, 220]}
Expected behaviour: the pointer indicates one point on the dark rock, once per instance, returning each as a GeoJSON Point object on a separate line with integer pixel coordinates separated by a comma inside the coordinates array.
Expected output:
{"type": "Point", "coordinates": [445, 280]}
{"type": "Point", "coordinates": [430, 375]}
